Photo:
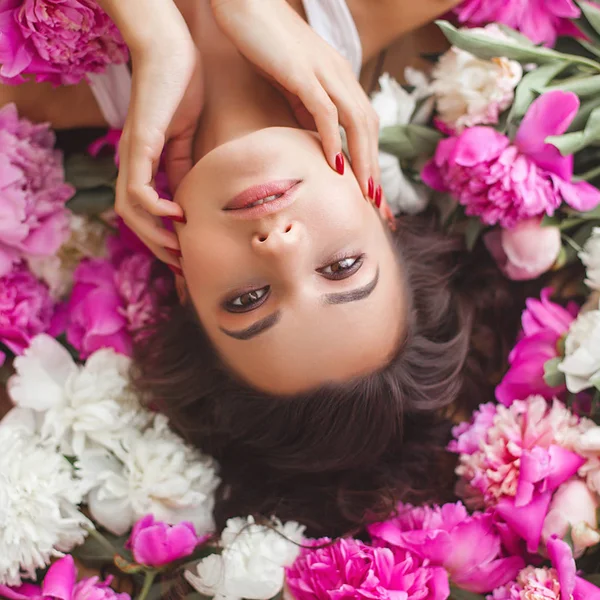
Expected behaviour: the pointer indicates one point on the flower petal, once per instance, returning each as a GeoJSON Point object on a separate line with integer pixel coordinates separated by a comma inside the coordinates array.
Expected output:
{"type": "Point", "coordinates": [60, 579]}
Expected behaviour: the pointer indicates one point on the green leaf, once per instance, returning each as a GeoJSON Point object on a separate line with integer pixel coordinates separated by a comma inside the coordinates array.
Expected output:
{"type": "Point", "coordinates": [585, 110]}
{"type": "Point", "coordinates": [587, 216]}
{"type": "Point", "coordinates": [472, 233]}
{"type": "Point", "coordinates": [515, 35]}
{"type": "Point", "coordinates": [85, 172]}
{"type": "Point", "coordinates": [584, 87]}
{"type": "Point", "coordinates": [591, 14]}
{"type": "Point", "coordinates": [592, 48]}
{"type": "Point", "coordinates": [93, 201]}
{"type": "Point", "coordinates": [458, 594]}
{"type": "Point", "coordinates": [486, 47]}
{"type": "Point", "coordinates": [552, 376]}
{"type": "Point", "coordinates": [570, 143]}
{"type": "Point", "coordinates": [409, 141]}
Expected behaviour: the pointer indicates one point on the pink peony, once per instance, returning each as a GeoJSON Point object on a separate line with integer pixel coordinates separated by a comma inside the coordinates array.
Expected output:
{"type": "Point", "coordinates": [557, 583]}
{"type": "Point", "coordinates": [26, 309]}
{"type": "Point", "coordinates": [60, 584]}
{"type": "Point", "coordinates": [526, 251]}
{"type": "Point", "coordinates": [468, 547]}
{"type": "Point", "coordinates": [506, 183]}
{"type": "Point", "coordinates": [59, 41]}
{"type": "Point", "coordinates": [544, 323]}
{"type": "Point", "coordinates": [155, 544]}
{"type": "Point", "coordinates": [540, 20]}
{"type": "Point", "coordinates": [33, 217]}
{"type": "Point", "coordinates": [350, 570]}
{"type": "Point", "coordinates": [521, 460]}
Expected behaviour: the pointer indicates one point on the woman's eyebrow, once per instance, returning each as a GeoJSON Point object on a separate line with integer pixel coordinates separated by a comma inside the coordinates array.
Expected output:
{"type": "Point", "coordinates": [254, 329]}
{"type": "Point", "coordinates": [353, 295]}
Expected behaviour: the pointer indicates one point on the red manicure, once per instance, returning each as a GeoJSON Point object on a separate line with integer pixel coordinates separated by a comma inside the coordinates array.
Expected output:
{"type": "Point", "coordinates": [339, 163]}
{"type": "Point", "coordinates": [378, 195]}
{"type": "Point", "coordinates": [371, 188]}
{"type": "Point", "coordinates": [175, 270]}
{"type": "Point", "coordinates": [174, 252]}
{"type": "Point", "coordinates": [178, 219]}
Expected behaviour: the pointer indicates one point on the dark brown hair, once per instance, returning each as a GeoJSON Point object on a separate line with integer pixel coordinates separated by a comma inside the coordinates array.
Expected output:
{"type": "Point", "coordinates": [340, 456]}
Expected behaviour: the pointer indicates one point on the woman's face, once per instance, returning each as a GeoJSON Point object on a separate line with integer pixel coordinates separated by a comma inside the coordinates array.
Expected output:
{"type": "Point", "coordinates": [301, 291]}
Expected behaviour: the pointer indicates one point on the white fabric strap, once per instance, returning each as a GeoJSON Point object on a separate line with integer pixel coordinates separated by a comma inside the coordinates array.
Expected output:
{"type": "Point", "coordinates": [112, 90]}
{"type": "Point", "coordinates": [333, 21]}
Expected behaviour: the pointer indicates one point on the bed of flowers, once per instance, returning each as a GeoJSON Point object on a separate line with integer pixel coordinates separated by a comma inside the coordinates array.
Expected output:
{"type": "Point", "coordinates": [100, 500]}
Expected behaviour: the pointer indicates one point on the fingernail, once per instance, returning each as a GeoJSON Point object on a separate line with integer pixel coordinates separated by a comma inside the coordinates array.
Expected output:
{"type": "Point", "coordinates": [175, 270]}
{"type": "Point", "coordinates": [371, 188]}
{"type": "Point", "coordinates": [378, 195]}
{"type": "Point", "coordinates": [178, 219]}
{"type": "Point", "coordinates": [339, 163]}
{"type": "Point", "coordinates": [174, 252]}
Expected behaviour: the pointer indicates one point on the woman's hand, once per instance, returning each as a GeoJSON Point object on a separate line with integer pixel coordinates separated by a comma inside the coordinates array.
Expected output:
{"type": "Point", "coordinates": [317, 81]}
{"type": "Point", "coordinates": [165, 105]}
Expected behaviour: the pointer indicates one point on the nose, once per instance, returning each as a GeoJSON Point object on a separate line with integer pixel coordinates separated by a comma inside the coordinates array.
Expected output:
{"type": "Point", "coordinates": [278, 239]}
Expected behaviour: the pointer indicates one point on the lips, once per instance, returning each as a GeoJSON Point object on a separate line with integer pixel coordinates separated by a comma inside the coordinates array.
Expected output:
{"type": "Point", "coordinates": [263, 199]}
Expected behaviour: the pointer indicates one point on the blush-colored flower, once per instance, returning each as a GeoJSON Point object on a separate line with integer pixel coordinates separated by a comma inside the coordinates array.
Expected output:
{"type": "Point", "coordinates": [26, 309]}
{"type": "Point", "coordinates": [59, 41]}
{"type": "Point", "coordinates": [540, 20]}
{"type": "Point", "coordinates": [472, 91]}
{"type": "Point", "coordinates": [525, 251]}
{"type": "Point", "coordinates": [504, 183]}
{"type": "Point", "coordinates": [544, 324]}
{"type": "Point", "coordinates": [155, 544]}
{"type": "Point", "coordinates": [33, 218]}
{"type": "Point", "coordinates": [348, 568]}
{"type": "Point", "coordinates": [467, 546]}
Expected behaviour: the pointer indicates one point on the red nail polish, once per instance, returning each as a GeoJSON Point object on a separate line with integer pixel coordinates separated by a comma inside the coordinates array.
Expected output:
{"type": "Point", "coordinates": [174, 252]}
{"type": "Point", "coordinates": [175, 270]}
{"type": "Point", "coordinates": [371, 188]}
{"type": "Point", "coordinates": [339, 163]}
{"type": "Point", "coordinates": [178, 219]}
{"type": "Point", "coordinates": [378, 196]}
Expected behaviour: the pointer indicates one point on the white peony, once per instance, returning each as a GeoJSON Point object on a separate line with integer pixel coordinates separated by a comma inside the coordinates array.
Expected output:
{"type": "Point", "coordinates": [153, 471]}
{"type": "Point", "coordinates": [87, 240]}
{"type": "Point", "coordinates": [395, 106]}
{"type": "Point", "coordinates": [252, 562]}
{"type": "Point", "coordinates": [78, 406]}
{"type": "Point", "coordinates": [39, 518]}
{"type": "Point", "coordinates": [590, 257]}
{"type": "Point", "coordinates": [471, 91]}
{"type": "Point", "coordinates": [581, 364]}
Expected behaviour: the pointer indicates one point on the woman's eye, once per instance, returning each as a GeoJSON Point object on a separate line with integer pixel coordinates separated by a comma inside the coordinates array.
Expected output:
{"type": "Point", "coordinates": [248, 301]}
{"type": "Point", "coordinates": [340, 269]}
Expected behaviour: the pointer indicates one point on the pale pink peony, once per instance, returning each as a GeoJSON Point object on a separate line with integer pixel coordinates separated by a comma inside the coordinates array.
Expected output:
{"type": "Point", "coordinates": [503, 182]}
{"type": "Point", "coordinates": [540, 20]}
{"type": "Point", "coordinates": [468, 547]}
{"type": "Point", "coordinates": [544, 323]}
{"type": "Point", "coordinates": [59, 41]}
{"type": "Point", "coordinates": [26, 309]}
{"type": "Point", "coordinates": [526, 251]}
{"type": "Point", "coordinates": [60, 583]}
{"type": "Point", "coordinates": [521, 460]}
{"type": "Point", "coordinates": [155, 544]}
{"type": "Point", "coordinates": [33, 218]}
{"type": "Point", "coordinates": [352, 570]}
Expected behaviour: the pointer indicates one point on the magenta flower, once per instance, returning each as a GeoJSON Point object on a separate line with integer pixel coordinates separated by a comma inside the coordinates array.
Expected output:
{"type": "Point", "coordinates": [468, 547]}
{"type": "Point", "coordinates": [26, 309]}
{"type": "Point", "coordinates": [544, 323]}
{"type": "Point", "coordinates": [60, 584]}
{"type": "Point", "coordinates": [521, 459]}
{"type": "Point", "coordinates": [505, 183]}
{"type": "Point", "coordinates": [59, 41]}
{"type": "Point", "coordinates": [349, 569]}
{"type": "Point", "coordinates": [540, 20]}
{"type": "Point", "coordinates": [33, 217]}
{"type": "Point", "coordinates": [156, 544]}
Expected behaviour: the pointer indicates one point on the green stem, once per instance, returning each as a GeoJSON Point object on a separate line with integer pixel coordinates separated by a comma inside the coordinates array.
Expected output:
{"type": "Point", "coordinates": [591, 174]}
{"type": "Point", "coordinates": [102, 541]}
{"type": "Point", "coordinates": [572, 243]}
{"type": "Point", "coordinates": [148, 581]}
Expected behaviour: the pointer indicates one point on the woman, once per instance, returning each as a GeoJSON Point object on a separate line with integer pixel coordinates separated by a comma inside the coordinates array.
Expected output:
{"type": "Point", "coordinates": [310, 350]}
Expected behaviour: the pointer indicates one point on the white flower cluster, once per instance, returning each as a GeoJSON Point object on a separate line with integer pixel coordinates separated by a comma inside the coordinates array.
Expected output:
{"type": "Point", "coordinates": [590, 257]}
{"type": "Point", "coordinates": [127, 462]}
{"type": "Point", "coordinates": [252, 562]}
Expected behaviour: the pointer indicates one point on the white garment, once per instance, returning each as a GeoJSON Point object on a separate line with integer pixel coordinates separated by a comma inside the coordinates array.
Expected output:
{"type": "Point", "coordinates": [331, 19]}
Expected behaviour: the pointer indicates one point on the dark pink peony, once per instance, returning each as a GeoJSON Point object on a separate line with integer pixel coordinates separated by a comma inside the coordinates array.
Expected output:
{"type": "Point", "coordinates": [59, 41]}
{"type": "Point", "coordinates": [33, 218]}
{"type": "Point", "coordinates": [540, 20]}
{"type": "Point", "coordinates": [350, 570]}
{"type": "Point", "coordinates": [26, 309]}
{"type": "Point", "coordinates": [503, 182]}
